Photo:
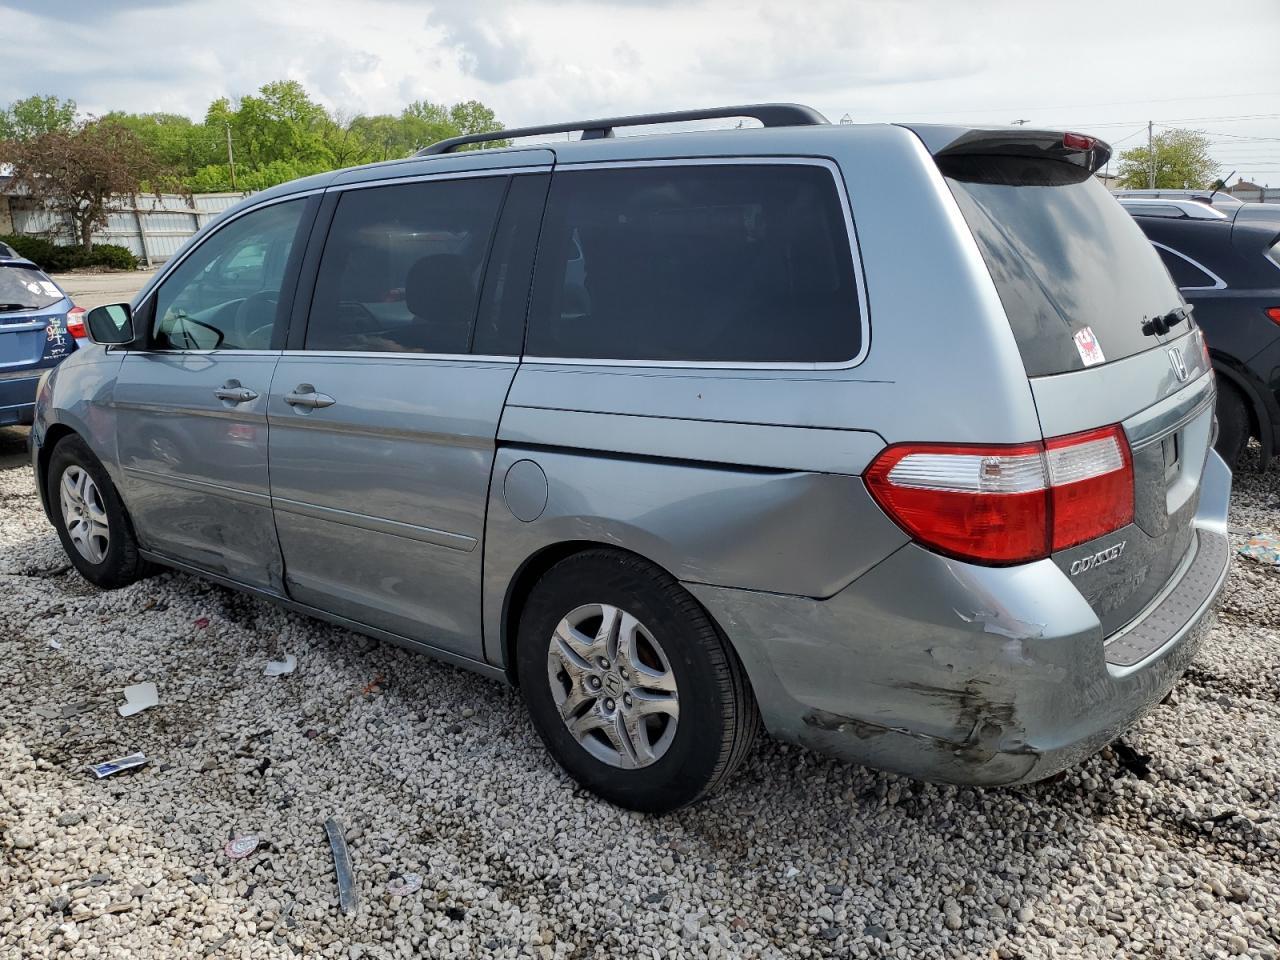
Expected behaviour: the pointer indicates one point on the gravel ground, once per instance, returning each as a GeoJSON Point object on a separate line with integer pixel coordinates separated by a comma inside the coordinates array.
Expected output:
{"type": "Point", "coordinates": [438, 772]}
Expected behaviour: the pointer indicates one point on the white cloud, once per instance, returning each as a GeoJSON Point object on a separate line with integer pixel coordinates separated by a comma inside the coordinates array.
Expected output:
{"type": "Point", "coordinates": [534, 61]}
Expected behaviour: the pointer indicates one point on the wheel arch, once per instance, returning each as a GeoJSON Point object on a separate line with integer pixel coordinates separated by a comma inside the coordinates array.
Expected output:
{"type": "Point", "coordinates": [54, 434]}
{"type": "Point", "coordinates": [1259, 418]}
{"type": "Point", "coordinates": [534, 567]}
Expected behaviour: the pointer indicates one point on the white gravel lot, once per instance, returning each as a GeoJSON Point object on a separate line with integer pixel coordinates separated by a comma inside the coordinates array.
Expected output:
{"type": "Point", "coordinates": [435, 771]}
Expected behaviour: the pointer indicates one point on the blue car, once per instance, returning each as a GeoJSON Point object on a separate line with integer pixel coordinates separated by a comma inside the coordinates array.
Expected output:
{"type": "Point", "coordinates": [39, 328]}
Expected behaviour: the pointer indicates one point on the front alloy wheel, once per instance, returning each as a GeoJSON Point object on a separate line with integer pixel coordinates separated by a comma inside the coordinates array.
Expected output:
{"type": "Point", "coordinates": [90, 518]}
{"type": "Point", "coordinates": [84, 514]}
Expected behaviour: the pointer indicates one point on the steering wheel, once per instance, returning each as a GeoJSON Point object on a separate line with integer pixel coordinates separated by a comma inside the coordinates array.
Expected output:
{"type": "Point", "coordinates": [249, 316]}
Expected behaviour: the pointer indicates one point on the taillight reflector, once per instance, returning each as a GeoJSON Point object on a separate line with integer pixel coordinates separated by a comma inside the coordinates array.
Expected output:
{"type": "Point", "coordinates": [1007, 504]}
{"type": "Point", "coordinates": [1078, 141]}
{"type": "Point", "coordinates": [1274, 314]}
{"type": "Point", "coordinates": [75, 322]}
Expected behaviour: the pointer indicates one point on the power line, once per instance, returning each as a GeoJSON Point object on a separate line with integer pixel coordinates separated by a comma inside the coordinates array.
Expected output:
{"type": "Point", "coordinates": [1228, 119]}
{"type": "Point", "coordinates": [1023, 108]}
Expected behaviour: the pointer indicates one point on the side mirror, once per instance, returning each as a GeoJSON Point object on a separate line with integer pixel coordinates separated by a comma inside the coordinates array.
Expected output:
{"type": "Point", "coordinates": [112, 324]}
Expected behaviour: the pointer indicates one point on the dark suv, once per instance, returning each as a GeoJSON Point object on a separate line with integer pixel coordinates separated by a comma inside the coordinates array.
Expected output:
{"type": "Point", "coordinates": [1229, 268]}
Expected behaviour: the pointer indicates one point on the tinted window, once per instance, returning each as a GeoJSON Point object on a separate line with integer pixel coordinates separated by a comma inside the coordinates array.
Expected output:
{"type": "Point", "coordinates": [226, 294]}
{"type": "Point", "coordinates": [734, 263]}
{"type": "Point", "coordinates": [25, 288]}
{"type": "Point", "coordinates": [403, 266]}
{"type": "Point", "coordinates": [1183, 271]}
{"type": "Point", "coordinates": [1064, 257]}
{"type": "Point", "coordinates": [505, 299]}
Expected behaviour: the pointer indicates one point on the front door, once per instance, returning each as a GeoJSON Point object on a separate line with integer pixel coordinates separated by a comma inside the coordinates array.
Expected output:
{"type": "Point", "coordinates": [383, 423]}
{"type": "Point", "coordinates": [191, 407]}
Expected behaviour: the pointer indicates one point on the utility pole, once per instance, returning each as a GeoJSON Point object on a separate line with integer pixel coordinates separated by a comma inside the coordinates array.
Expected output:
{"type": "Point", "coordinates": [231, 160]}
{"type": "Point", "coordinates": [1151, 159]}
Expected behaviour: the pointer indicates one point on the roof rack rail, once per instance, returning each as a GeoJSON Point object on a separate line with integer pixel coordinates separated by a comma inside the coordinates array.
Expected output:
{"type": "Point", "coordinates": [769, 114]}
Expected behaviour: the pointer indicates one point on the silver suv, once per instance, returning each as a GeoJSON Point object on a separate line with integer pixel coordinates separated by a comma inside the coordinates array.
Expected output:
{"type": "Point", "coordinates": [897, 437]}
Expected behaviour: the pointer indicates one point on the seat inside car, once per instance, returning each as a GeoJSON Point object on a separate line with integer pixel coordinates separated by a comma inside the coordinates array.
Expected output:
{"type": "Point", "coordinates": [441, 295]}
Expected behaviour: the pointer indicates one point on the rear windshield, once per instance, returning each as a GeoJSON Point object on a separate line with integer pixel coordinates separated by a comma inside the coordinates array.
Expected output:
{"type": "Point", "coordinates": [1075, 274]}
{"type": "Point", "coordinates": [25, 288]}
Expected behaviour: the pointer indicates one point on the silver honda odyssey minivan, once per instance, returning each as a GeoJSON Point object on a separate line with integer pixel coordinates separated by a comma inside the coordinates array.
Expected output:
{"type": "Point", "coordinates": [895, 437]}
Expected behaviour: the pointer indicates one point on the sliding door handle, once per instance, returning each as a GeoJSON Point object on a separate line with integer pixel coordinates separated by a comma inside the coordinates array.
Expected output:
{"type": "Point", "coordinates": [304, 395]}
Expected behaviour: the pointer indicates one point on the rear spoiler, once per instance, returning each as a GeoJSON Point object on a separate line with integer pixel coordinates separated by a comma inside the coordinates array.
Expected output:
{"type": "Point", "coordinates": [1079, 149]}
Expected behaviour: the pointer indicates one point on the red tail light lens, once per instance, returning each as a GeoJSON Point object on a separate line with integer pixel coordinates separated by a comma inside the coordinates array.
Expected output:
{"type": "Point", "coordinates": [1003, 505]}
{"type": "Point", "coordinates": [75, 322]}
{"type": "Point", "coordinates": [1078, 141]}
{"type": "Point", "coordinates": [1090, 485]}
{"type": "Point", "coordinates": [1274, 314]}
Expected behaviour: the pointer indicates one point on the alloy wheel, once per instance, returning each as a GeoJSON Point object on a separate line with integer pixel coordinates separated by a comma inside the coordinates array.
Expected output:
{"type": "Point", "coordinates": [613, 685]}
{"type": "Point", "coordinates": [84, 514]}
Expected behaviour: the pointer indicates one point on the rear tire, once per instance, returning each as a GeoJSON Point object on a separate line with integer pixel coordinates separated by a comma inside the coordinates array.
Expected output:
{"type": "Point", "coordinates": [1233, 424]}
{"type": "Point", "coordinates": [630, 684]}
{"type": "Point", "coordinates": [90, 518]}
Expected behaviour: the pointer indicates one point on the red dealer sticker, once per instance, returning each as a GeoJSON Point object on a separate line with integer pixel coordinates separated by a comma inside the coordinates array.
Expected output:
{"type": "Point", "coordinates": [1090, 349]}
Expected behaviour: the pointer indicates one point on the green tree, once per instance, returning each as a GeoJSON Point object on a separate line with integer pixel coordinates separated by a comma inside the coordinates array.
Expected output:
{"type": "Point", "coordinates": [32, 116]}
{"type": "Point", "coordinates": [281, 123]}
{"type": "Point", "coordinates": [1181, 161]}
{"type": "Point", "coordinates": [177, 141]}
{"type": "Point", "coordinates": [384, 136]}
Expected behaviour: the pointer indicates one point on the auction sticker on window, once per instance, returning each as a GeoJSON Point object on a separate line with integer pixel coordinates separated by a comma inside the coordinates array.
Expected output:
{"type": "Point", "coordinates": [1090, 349]}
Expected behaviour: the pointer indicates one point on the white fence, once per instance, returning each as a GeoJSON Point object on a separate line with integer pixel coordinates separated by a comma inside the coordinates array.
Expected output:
{"type": "Point", "coordinates": [152, 227]}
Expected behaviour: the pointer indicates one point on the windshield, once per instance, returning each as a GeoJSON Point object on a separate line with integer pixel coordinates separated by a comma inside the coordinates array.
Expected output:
{"type": "Point", "coordinates": [1076, 275]}
{"type": "Point", "coordinates": [25, 288]}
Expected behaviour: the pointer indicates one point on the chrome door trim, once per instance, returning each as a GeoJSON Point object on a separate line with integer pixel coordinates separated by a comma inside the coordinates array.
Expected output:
{"type": "Point", "coordinates": [200, 486]}
{"type": "Point", "coordinates": [152, 351]}
{"type": "Point", "coordinates": [397, 355]}
{"type": "Point", "coordinates": [855, 251]}
{"type": "Point", "coordinates": [1218, 282]}
{"type": "Point", "coordinates": [443, 175]}
{"type": "Point", "coordinates": [218, 413]}
{"type": "Point", "coordinates": [409, 531]}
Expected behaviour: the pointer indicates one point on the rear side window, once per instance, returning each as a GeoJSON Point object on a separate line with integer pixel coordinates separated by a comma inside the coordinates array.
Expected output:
{"type": "Point", "coordinates": [25, 288]}
{"type": "Point", "coordinates": [1064, 257]}
{"type": "Point", "coordinates": [1185, 273]}
{"type": "Point", "coordinates": [403, 266]}
{"type": "Point", "coordinates": [736, 263]}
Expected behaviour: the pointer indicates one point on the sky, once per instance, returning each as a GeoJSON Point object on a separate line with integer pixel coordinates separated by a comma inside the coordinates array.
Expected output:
{"type": "Point", "coordinates": [1090, 67]}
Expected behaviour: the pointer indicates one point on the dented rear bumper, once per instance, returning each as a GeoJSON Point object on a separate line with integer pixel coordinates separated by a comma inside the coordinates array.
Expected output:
{"type": "Point", "coordinates": [952, 672]}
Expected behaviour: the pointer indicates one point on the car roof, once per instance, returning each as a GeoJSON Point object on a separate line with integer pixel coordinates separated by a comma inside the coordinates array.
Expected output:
{"type": "Point", "coordinates": [788, 129]}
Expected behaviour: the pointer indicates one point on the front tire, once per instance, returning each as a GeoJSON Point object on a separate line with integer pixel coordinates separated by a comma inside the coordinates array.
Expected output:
{"type": "Point", "coordinates": [630, 684]}
{"type": "Point", "coordinates": [90, 518]}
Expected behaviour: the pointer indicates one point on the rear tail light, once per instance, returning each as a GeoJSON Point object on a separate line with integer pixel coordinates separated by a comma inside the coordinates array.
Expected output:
{"type": "Point", "coordinates": [1274, 314]}
{"type": "Point", "coordinates": [1007, 504]}
{"type": "Point", "coordinates": [75, 323]}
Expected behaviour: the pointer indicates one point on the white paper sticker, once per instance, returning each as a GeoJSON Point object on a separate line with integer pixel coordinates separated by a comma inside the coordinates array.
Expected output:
{"type": "Point", "coordinates": [49, 289]}
{"type": "Point", "coordinates": [1090, 349]}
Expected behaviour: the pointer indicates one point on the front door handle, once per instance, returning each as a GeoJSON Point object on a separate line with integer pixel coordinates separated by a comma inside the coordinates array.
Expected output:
{"type": "Point", "coordinates": [304, 395]}
{"type": "Point", "coordinates": [233, 392]}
